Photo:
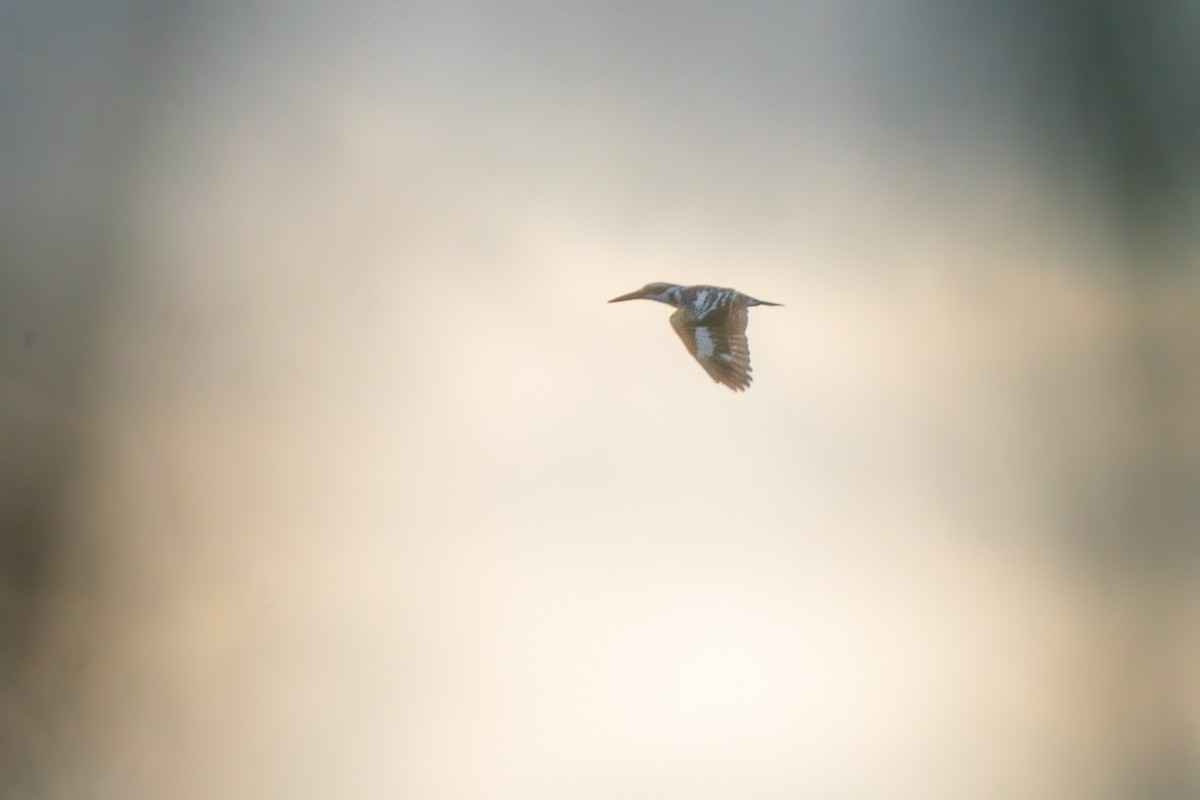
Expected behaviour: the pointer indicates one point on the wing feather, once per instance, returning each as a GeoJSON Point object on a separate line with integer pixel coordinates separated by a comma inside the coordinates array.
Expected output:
{"type": "Point", "coordinates": [718, 342]}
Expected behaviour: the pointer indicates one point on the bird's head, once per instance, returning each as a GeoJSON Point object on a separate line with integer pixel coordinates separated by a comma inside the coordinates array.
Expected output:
{"type": "Point", "coordinates": [662, 292]}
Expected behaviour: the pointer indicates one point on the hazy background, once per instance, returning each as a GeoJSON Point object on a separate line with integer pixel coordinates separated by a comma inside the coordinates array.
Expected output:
{"type": "Point", "coordinates": [327, 471]}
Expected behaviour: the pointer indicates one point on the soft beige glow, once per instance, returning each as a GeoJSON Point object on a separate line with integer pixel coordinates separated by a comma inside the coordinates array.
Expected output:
{"type": "Point", "coordinates": [391, 503]}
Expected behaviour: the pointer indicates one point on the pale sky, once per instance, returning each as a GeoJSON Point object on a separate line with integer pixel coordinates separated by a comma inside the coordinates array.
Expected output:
{"type": "Point", "coordinates": [392, 503]}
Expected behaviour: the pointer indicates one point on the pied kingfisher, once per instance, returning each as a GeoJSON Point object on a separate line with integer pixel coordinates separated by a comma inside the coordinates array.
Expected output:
{"type": "Point", "coordinates": [712, 323]}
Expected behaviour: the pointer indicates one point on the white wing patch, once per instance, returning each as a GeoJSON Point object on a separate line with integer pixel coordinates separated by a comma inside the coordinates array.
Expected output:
{"type": "Point", "coordinates": [704, 343]}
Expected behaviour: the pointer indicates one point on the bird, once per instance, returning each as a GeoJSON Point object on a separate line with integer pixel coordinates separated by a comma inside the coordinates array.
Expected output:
{"type": "Point", "coordinates": [711, 321]}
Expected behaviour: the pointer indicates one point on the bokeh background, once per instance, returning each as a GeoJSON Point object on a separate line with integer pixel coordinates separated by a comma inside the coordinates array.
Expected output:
{"type": "Point", "coordinates": [328, 472]}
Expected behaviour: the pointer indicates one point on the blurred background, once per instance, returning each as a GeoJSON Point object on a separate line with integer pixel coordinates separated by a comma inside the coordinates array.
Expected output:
{"type": "Point", "coordinates": [328, 472]}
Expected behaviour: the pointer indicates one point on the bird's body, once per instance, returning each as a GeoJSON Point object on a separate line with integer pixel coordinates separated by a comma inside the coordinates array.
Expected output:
{"type": "Point", "coordinates": [711, 321]}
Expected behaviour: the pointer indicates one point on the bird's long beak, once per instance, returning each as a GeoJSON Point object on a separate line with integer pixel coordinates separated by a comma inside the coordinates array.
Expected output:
{"type": "Point", "coordinates": [639, 294]}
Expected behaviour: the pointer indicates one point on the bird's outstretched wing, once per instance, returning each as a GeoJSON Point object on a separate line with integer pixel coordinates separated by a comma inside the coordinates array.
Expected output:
{"type": "Point", "coordinates": [718, 342]}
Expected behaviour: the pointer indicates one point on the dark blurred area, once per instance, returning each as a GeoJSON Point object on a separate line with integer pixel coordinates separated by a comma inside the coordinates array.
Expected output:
{"type": "Point", "coordinates": [70, 93]}
{"type": "Point", "coordinates": [1100, 96]}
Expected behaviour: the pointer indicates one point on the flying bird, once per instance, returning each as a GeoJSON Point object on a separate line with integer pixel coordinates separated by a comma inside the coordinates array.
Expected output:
{"type": "Point", "coordinates": [711, 321]}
